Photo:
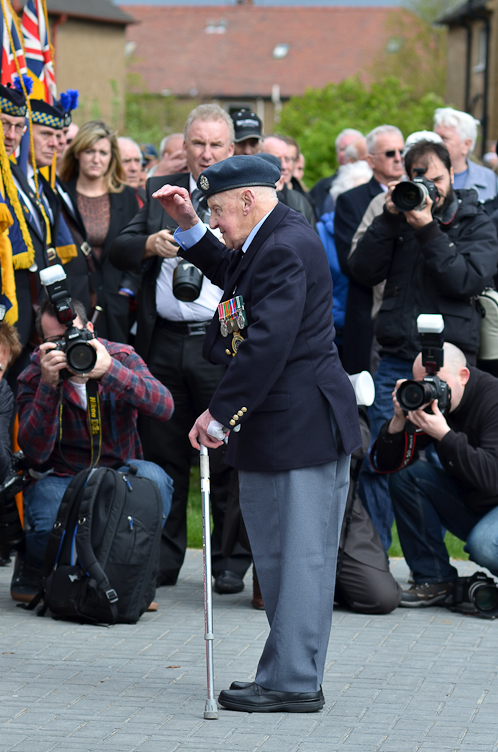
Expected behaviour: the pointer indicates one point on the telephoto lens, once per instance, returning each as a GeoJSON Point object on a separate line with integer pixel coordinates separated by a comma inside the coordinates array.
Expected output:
{"type": "Point", "coordinates": [484, 596]}
{"type": "Point", "coordinates": [187, 282]}
{"type": "Point", "coordinates": [409, 196]}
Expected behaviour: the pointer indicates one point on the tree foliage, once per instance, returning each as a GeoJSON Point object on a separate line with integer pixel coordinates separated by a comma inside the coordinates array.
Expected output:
{"type": "Point", "coordinates": [316, 118]}
{"type": "Point", "coordinates": [416, 53]}
{"type": "Point", "coordinates": [431, 10]}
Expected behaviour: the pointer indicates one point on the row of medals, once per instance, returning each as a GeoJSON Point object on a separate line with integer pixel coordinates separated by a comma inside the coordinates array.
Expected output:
{"type": "Point", "coordinates": [233, 324]}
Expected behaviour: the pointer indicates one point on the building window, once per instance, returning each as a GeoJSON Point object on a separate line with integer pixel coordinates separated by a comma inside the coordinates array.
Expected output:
{"type": "Point", "coordinates": [482, 51]}
{"type": "Point", "coordinates": [281, 51]}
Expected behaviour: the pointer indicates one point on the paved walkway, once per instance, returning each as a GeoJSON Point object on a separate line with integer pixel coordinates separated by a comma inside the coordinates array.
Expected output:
{"type": "Point", "coordinates": [412, 680]}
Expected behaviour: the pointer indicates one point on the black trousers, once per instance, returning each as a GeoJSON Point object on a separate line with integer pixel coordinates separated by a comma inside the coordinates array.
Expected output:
{"type": "Point", "coordinates": [176, 360]}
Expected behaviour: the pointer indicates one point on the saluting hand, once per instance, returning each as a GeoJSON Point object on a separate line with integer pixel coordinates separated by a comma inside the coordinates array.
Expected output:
{"type": "Point", "coordinates": [176, 202]}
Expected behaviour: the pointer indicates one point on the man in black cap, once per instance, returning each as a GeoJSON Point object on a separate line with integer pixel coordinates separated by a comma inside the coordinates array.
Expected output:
{"type": "Point", "coordinates": [288, 408]}
{"type": "Point", "coordinates": [248, 135]}
{"type": "Point", "coordinates": [170, 333]}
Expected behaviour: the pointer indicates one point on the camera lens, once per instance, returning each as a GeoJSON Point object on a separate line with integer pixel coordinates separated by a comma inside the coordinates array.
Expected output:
{"type": "Point", "coordinates": [408, 196]}
{"type": "Point", "coordinates": [412, 395]}
{"type": "Point", "coordinates": [81, 357]}
{"type": "Point", "coordinates": [187, 282]}
{"type": "Point", "coordinates": [484, 598]}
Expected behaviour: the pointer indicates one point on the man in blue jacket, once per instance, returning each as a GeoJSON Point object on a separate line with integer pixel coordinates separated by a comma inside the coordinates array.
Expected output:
{"type": "Point", "coordinates": [288, 408]}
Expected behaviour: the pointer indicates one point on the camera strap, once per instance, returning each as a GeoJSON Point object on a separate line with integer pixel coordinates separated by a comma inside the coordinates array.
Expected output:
{"type": "Point", "coordinates": [94, 423]}
{"type": "Point", "coordinates": [94, 420]}
{"type": "Point", "coordinates": [410, 436]}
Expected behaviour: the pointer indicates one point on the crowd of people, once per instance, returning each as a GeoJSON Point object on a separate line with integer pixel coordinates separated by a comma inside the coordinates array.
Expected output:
{"type": "Point", "coordinates": [104, 216]}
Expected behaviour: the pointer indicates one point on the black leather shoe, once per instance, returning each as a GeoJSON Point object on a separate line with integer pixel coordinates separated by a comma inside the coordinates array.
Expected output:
{"type": "Point", "coordinates": [256, 699]}
{"type": "Point", "coordinates": [241, 685]}
{"type": "Point", "coordinates": [228, 582]}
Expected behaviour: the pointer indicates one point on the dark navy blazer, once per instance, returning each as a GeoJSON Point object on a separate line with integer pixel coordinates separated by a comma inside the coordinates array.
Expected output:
{"type": "Point", "coordinates": [286, 373]}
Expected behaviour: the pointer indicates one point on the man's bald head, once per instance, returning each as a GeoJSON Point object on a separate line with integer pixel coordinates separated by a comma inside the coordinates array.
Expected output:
{"type": "Point", "coordinates": [454, 371]}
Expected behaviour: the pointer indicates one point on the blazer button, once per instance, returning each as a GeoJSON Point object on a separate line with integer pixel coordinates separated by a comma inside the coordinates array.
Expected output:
{"type": "Point", "coordinates": [244, 409]}
{"type": "Point", "coordinates": [228, 352]}
{"type": "Point", "coordinates": [235, 417]}
{"type": "Point", "coordinates": [240, 413]}
{"type": "Point", "coordinates": [232, 422]}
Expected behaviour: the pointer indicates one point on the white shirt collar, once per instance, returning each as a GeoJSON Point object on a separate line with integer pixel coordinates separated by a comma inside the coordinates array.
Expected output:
{"type": "Point", "coordinates": [253, 232]}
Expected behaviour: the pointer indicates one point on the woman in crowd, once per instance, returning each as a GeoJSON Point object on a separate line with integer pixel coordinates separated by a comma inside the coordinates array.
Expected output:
{"type": "Point", "coordinates": [102, 205]}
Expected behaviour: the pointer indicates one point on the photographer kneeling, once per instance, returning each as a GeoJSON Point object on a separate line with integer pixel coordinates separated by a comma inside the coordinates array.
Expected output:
{"type": "Point", "coordinates": [60, 433]}
{"type": "Point", "coordinates": [462, 495]}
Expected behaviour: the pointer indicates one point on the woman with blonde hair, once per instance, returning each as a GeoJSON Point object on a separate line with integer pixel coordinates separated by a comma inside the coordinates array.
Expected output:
{"type": "Point", "coordinates": [99, 205]}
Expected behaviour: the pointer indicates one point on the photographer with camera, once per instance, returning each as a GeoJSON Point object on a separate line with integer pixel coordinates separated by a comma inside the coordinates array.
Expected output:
{"type": "Point", "coordinates": [437, 250]}
{"type": "Point", "coordinates": [78, 400]}
{"type": "Point", "coordinates": [460, 494]}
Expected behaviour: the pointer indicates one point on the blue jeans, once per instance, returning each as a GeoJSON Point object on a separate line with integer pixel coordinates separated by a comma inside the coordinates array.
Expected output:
{"type": "Point", "coordinates": [42, 501]}
{"type": "Point", "coordinates": [374, 489]}
{"type": "Point", "coordinates": [425, 498]}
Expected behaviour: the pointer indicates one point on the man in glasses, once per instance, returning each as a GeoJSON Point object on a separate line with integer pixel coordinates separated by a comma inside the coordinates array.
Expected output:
{"type": "Point", "coordinates": [384, 155]}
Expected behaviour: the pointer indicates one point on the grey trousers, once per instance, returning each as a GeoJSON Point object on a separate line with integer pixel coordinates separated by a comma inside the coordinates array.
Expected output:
{"type": "Point", "coordinates": [293, 520]}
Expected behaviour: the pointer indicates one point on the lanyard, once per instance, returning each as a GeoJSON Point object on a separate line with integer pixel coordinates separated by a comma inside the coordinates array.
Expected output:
{"type": "Point", "coordinates": [94, 423]}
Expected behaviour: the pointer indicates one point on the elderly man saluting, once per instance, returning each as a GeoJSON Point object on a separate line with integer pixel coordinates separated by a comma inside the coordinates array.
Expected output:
{"type": "Point", "coordinates": [287, 406]}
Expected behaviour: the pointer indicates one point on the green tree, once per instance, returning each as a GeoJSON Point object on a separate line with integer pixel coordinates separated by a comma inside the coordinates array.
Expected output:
{"type": "Point", "coordinates": [431, 10]}
{"type": "Point", "coordinates": [415, 53]}
{"type": "Point", "coordinates": [316, 118]}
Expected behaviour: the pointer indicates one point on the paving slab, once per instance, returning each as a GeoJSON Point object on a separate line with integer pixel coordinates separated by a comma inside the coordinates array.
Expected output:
{"type": "Point", "coordinates": [416, 680]}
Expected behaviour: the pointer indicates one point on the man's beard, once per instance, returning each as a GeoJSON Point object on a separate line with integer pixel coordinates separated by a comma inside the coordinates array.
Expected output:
{"type": "Point", "coordinates": [444, 202]}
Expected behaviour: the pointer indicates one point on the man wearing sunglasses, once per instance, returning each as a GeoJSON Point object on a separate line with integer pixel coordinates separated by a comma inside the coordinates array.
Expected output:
{"type": "Point", "coordinates": [384, 155]}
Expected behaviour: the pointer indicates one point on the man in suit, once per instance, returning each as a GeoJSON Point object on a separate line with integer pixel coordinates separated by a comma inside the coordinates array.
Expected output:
{"type": "Point", "coordinates": [288, 408]}
{"type": "Point", "coordinates": [169, 338]}
{"type": "Point", "coordinates": [458, 131]}
{"type": "Point", "coordinates": [385, 157]}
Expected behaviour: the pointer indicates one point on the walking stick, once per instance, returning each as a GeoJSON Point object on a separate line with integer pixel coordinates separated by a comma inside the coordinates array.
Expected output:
{"type": "Point", "coordinates": [211, 708]}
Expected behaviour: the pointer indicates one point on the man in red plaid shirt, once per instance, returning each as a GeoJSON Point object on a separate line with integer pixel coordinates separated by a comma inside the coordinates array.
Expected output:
{"type": "Point", "coordinates": [54, 429]}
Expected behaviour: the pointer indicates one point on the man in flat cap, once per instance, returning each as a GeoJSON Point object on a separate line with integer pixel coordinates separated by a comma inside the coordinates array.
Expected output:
{"type": "Point", "coordinates": [288, 408]}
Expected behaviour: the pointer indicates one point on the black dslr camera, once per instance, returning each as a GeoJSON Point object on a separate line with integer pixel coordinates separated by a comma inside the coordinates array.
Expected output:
{"type": "Point", "coordinates": [477, 594]}
{"type": "Point", "coordinates": [81, 357]}
{"type": "Point", "coordinates": [411, 195]}
{"type": "Point", "coordinates": [411, 394]}
{"type": "Point", "coordinates": [11, 530]}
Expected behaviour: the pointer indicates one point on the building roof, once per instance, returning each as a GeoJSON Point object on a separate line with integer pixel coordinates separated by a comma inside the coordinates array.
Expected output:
{"type": "Point", "coordinates": [98, 10]}
{"type": "Point", "coordinates": [244, 50]}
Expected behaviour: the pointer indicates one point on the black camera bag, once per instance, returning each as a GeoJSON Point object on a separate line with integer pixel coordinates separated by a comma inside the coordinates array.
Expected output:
{"type": "Point", "coordinates": [102, 557]}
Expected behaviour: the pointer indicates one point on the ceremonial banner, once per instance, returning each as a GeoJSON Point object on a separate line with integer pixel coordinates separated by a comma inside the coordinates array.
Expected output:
{"type": "Point", "coordinates": [38, 52]}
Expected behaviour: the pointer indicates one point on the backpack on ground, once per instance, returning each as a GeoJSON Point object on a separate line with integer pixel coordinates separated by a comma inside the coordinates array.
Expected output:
{"type": "Point", "coordinates": [102, 557]}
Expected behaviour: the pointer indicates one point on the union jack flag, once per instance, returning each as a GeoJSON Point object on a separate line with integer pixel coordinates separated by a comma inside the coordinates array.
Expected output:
{"type": "Point", "coordinates": [9, 70]}
{"type": "Point", "coordinates": [37, 47]}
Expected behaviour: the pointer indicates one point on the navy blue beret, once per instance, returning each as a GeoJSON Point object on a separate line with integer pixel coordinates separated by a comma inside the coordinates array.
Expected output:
{"type": "Point", "coordinates": [271, 158]}
{"type": "Point", "coordinates": [241, 171]}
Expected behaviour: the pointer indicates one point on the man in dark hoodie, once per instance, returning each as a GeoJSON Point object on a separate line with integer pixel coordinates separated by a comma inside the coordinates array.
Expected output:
{"type": "Point", "coordinates": [435, 259]}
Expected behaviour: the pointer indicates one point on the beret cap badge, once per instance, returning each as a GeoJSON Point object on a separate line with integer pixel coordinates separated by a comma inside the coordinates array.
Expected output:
{"type": "Point", "coordinates": [204, 183]}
